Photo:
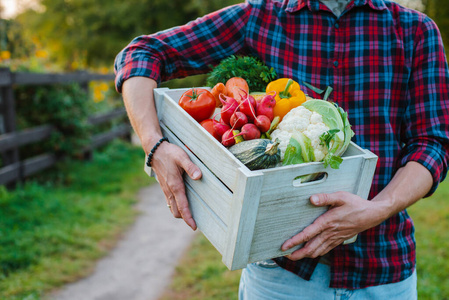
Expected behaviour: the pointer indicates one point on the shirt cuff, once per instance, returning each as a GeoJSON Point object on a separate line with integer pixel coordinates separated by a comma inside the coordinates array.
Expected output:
{"type": "Point", "coordinates": [150, 68]}
{"type": "Point", "coordinates": [432, 156]}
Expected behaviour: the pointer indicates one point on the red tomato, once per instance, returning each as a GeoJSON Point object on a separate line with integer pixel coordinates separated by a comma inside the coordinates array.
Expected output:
{"type": "Point", "coordinates": [199, 103]}
{"type": "Point", "coordinates": [208, 124]}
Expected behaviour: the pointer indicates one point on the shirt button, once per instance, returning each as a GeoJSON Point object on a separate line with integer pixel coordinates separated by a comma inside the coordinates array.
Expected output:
{"type": "Point", "coordinates": [336, 25]}
{"type": "Point", "coordinates": [336, 63]}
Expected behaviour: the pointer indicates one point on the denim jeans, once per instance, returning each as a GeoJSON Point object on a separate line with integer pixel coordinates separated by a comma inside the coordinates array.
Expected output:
{"type": "Point", "coordinates": [265, 280]}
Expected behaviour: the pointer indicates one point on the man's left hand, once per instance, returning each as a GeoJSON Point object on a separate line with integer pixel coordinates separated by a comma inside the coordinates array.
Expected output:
{"type": "Point", "coordinates": [348, 215]}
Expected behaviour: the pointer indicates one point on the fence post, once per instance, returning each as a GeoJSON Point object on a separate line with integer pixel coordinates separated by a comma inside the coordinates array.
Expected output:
{"type": "Point", "coordinates": [8, 112]}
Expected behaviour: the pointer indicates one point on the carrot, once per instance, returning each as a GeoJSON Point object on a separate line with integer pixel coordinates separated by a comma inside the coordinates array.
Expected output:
{"type": "Point", "coordinates": [218, 89]}
{"type": "Point", "coordinates": [235, 85]}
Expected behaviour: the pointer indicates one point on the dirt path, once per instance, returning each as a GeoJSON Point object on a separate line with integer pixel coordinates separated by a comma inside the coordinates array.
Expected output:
{"type": "Point", "coordinates": [141, 265]}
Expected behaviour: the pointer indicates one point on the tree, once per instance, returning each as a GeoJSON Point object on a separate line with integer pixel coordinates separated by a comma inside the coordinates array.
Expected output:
{"type": "Point", "coordinates": [438, 10]}
{"type": "Point", "coordinates": [91, 33]}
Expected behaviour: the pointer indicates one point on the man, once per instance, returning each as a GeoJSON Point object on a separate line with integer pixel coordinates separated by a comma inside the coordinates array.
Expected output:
{"type": "Point", "coordinates": [388, 70]}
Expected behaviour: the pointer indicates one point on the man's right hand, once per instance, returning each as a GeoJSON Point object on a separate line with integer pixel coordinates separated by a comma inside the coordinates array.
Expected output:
{"type": "Point", "coordinates": [169, 161]}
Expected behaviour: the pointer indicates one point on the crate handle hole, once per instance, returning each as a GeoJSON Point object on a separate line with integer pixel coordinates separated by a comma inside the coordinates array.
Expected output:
{"type": "Point", "coordinates": [315, 178]}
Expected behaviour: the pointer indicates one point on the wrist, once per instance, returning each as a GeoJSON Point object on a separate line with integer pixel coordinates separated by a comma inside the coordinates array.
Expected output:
{"type": "Point", "coordinates": [383, 209]}
{"type": "Point", "coordinates": [149, 142]}
{"type": "Point", "coordinates": [153, 150]}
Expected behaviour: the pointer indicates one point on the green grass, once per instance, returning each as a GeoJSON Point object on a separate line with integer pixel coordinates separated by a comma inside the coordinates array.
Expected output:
{"type": "Point", "coordinates": [431, 217]}
{"type": "Point", "coordinates": [201, 275]}
{"type": "Point", "coordinates": [53, 228]}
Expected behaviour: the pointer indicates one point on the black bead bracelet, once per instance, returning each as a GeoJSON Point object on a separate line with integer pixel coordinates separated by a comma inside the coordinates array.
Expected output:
{"type": "Point", "coordinates": [150, 155]}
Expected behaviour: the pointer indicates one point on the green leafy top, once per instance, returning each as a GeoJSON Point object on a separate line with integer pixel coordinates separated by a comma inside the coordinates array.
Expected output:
{"type": "Point", "coordinates": [250, 68]}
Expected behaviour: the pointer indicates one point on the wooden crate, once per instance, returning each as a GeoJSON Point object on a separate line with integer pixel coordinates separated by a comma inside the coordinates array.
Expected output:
{"type": "Point", "coordinates": [247, 215]}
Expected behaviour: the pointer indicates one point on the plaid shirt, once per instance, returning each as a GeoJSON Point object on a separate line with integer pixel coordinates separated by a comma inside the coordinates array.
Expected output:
{"type": "Point", "coordinates": [387, 66]}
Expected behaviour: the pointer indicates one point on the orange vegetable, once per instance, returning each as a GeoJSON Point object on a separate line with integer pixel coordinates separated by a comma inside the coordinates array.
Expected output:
{"type": "Point", "coordinates": [235, 85]}
{"type": "Point", "coordinates": [218, 89]}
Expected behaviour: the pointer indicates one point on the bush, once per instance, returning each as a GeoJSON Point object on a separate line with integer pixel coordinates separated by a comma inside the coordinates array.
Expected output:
{"type": "Point", "coordinates": [64, 106]}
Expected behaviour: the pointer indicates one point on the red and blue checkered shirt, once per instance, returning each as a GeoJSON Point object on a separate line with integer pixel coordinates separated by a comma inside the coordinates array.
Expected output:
{"type": "Point", "coordinates": [388, 70]}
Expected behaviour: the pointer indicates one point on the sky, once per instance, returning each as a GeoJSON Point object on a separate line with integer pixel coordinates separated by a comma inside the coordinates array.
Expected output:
{"type": "Point", "coordinates": [10, 7]}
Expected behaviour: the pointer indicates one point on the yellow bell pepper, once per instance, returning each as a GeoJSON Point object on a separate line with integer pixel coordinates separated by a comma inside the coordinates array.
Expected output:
{"type": "Point", "coordinates": [288, 95]}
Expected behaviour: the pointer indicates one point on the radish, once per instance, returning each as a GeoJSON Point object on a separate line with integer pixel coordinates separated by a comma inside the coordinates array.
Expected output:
{"type": "Point", "coordinates": [221, 128]}
{"type": "Point", "coordinates": [230, 105]}
{"type": "Point", "coordinates": [249, 131]}
{"type": "Point", "coordinates": [262, 122]}
{"type": "Point", "coordinates": [238, 119]}
{"type": "Point", "coordinates": [265, 106]}
{"type": "Point", "coordinates": [227, 139]}
{"type": "Point", "coordinates": [247, 106]}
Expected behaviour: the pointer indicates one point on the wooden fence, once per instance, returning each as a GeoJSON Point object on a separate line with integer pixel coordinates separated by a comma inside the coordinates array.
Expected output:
{"type": "Point", "coordinates": [14, 169]}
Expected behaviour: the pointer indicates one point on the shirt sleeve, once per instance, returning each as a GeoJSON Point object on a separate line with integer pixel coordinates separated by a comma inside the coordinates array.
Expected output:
{"type": "Point", "coordinates": [184, 50]}
{"type": "Point", "coordinates": [427, 116]}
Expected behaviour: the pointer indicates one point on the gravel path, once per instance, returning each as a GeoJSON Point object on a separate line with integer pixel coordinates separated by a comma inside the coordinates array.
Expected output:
{"type": "Point", "coordinates": [141, 265]}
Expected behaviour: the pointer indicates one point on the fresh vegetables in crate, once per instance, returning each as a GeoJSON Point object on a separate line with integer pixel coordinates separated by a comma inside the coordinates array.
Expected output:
{"type": "Point", "coordinates": [282, 127]}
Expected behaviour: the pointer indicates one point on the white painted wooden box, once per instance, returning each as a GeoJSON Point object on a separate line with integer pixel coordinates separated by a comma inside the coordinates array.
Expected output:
{"type": "Point", "coordinates": [247, 215]}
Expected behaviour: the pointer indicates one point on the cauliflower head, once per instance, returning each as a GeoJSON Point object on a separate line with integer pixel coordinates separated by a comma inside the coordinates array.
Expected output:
{"type": "Point", "coordinates": [300, 119]}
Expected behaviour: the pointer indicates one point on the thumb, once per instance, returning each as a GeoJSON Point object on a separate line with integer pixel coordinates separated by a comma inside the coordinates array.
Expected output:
{"type": "Point", "coordinates": [333, 199]}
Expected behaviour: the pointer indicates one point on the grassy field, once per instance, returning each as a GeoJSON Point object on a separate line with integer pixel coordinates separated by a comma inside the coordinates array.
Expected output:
{"type": "Point", "coordinates": [201, 275]}
{"type": "Point", "coordinates": [53, 228]}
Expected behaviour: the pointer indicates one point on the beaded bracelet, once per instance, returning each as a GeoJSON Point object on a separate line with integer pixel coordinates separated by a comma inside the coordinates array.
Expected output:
{"type": "Point", "coordinates": [150, 156]}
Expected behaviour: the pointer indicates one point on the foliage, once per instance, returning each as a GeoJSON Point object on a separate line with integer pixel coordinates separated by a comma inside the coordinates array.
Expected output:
{"type": "Point", "coordinates": [84, 33]}
{"type": "Point", "coordinates": [12, 39]}
{"type": "Point", "coordinates": [252, 69]}
{"type": "Point", "coordinates": [438, 10]}
{"type": "Point", "coordinates": [52, 229]}
{"type": "Point", "coordinates": [65, 106]}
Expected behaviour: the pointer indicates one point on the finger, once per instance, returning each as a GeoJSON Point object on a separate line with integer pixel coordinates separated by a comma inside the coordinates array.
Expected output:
{"type": "Point", "coordinates": [333, 199]}
{"type": "Point", "coordinates": [315, 248]}
{"type": "Point", "coordinates": [182, 207]}
{"type": "Point", "coordinates": [167, 192]}
{"type": "Point", "coordinates": [184, 210]}
{"type": "Point", "coordinates": [304, 236]}
{"type": "Point", "coordinates": [189, 167]}
{"type": "Point", "coordinates": [308, 250]}
{"type": "Point", "coordinates": [171, 204]}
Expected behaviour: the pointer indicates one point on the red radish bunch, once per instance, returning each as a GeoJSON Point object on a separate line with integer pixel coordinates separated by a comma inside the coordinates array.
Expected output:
{"type": "Point", "coordinates": [247, 117]}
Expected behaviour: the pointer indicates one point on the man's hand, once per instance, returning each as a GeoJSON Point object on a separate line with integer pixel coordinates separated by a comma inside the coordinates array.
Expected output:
{"type": "Point", "coordinates": [348, 215]}
{"type": "Point", "coordinates": [169, 163]}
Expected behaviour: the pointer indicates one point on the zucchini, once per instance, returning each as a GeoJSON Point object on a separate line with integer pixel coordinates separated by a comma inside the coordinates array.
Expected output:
{"type": "Point", "coordinates": [258, 153]}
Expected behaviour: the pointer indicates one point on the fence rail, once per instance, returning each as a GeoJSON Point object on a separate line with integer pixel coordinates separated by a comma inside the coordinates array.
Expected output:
{"type": "Point", "coordinates": [14, 169]}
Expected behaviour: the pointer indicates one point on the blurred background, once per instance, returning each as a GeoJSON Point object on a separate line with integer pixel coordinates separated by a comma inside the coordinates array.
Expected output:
{"type": "Point", "coordinates": [62, 124]}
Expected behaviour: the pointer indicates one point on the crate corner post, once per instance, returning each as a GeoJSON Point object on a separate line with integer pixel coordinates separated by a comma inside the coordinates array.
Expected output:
{"type": "Point", "coordinates": [244, 208]}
